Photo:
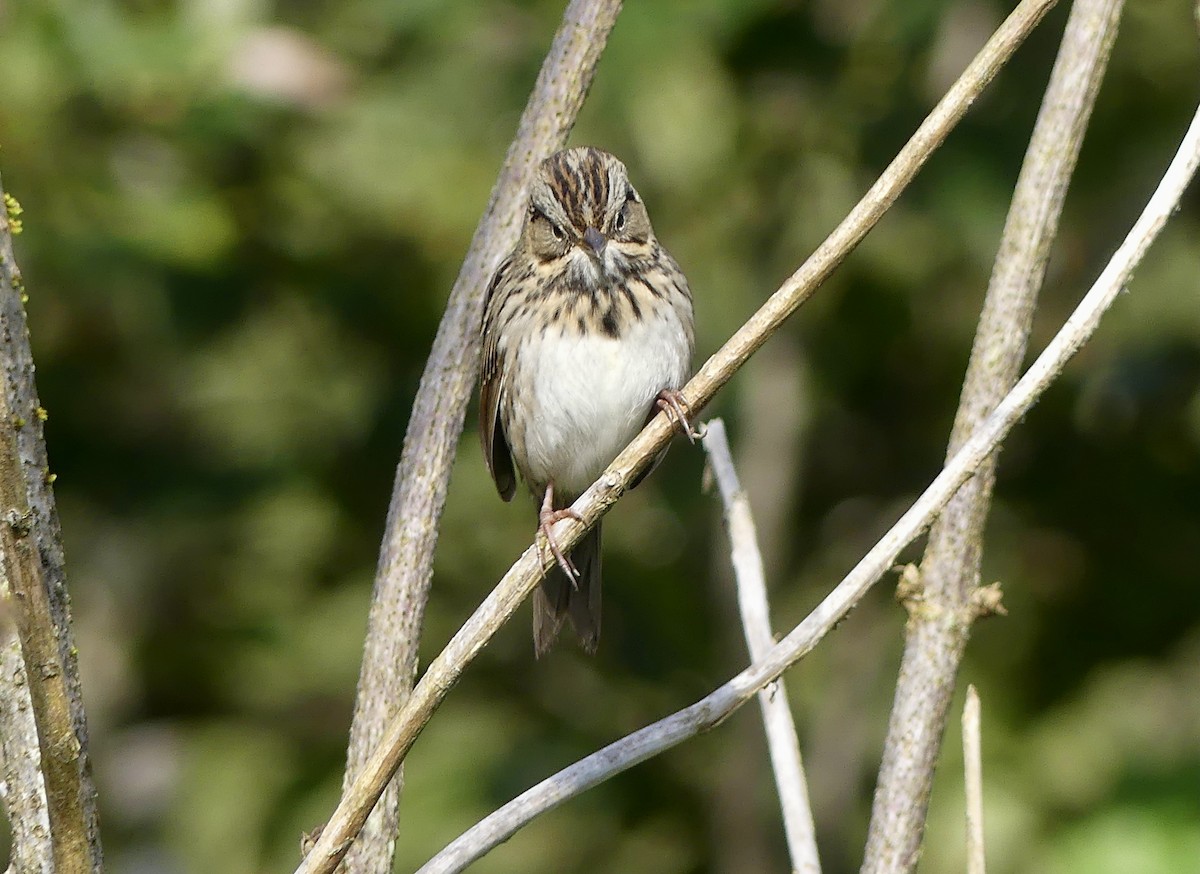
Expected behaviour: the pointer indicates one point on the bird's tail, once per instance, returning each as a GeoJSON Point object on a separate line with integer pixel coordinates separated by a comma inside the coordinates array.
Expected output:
{"type": "Point", "coordinates": [558, 598]}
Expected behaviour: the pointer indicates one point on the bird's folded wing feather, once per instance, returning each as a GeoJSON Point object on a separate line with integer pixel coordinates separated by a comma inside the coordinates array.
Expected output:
{"type": "Point", "coordinates": [491, 383]}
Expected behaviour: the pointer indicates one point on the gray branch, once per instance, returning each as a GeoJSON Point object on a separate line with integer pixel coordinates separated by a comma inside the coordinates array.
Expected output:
{"type": "Point", "coordinates": [782, 743]}
{"type": "Point", "coordinates": [24, 793]}
{"type": "Point", "coordinates": [940, 609]}
{"type": "Point", "coordinates": [710, 711]}
{"type": "Point", "coordinates": [31, 544]}
{"type": "Point", "coordinates": [419, 494]}
{"type": "Point", "coordinates": [973, 779]}
{"type": "Point", "coordinates": [375, 774]}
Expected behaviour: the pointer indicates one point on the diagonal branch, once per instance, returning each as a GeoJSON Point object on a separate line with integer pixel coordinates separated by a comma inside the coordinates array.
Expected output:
{"type": "Point", "coordinates": [31, 547]}
{"type": "Point", "coordinates": [710, 711]}
{"type": "Point", "coordinates": [782, 743]}
{"type": "Point", "coordinates": [941, 613]}
{"type": "Point", "coordinates": [444, 671]}
{"type": "Point", "coordinates": [419, 494]}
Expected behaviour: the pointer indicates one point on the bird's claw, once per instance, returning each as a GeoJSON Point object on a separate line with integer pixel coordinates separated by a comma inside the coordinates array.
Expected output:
{"type": "Point", "coordinates": [547, 518]}
{"type": "Point", "coordinates": [671, 402]}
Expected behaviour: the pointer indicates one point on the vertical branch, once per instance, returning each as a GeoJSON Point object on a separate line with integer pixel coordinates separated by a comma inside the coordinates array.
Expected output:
{"type": "Point", "coordinates": [944, 602]}
{"type": "Point", "coordinates": [782, 743]}
{"type": "Point", "coordinates": [973, 774]}
{"type": "Point", "coordinates": [31, 545]}
{"type": "Point", "coordinates": [419, 494]}
{"type": "Point", "coordinates": [24, 794]}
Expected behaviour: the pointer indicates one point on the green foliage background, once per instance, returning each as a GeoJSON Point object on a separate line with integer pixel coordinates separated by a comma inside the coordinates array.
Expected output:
{"type": "Point", "coordinates": [242, 220]}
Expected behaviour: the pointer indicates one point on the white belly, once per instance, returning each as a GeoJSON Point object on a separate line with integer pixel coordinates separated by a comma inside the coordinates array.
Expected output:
{"type": "Point", "coordinates": [591, 395]}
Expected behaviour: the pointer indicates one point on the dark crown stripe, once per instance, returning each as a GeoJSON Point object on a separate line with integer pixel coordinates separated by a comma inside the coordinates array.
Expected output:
{"type": "Point", "coordinates": [599, 179]}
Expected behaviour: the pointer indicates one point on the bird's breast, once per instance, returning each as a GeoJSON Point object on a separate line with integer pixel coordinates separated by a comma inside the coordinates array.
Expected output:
{"type": "Point", "coordinates": [587, 394]}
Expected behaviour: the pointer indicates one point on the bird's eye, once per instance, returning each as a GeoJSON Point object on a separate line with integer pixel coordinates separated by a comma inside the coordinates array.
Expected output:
{"type": "Point", "coordinates": [619, 224]}
{"type": "Point", "coordinates": [537, 216]}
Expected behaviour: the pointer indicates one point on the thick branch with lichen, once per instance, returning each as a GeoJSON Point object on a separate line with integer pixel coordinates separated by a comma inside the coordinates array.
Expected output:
{"type": "Point", "coordinates": [31, 548]}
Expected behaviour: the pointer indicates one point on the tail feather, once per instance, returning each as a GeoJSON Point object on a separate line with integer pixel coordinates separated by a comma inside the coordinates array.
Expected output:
{"type": "Point", "coordinates": [557, 598]}
{"type": "Point", "coordinates": [549, 610]}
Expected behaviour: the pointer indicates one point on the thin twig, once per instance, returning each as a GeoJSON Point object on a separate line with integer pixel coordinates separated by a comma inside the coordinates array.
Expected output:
{"type": "Point", "coordinates": [941, 611]}
{"type": "Point", "coordinates": [419, 494]}
{"type": "Point", "coordinates": [782, 743]}
{"type": "Point", "coordinates": [713, 709]}
{"type": "Point", "coordinates": [973, 773]}
{"type": "Point", "coordinates": [521, 578]}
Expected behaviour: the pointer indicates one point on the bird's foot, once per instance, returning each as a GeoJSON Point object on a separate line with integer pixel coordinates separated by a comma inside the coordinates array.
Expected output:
{"type": "Point", "coordinates": [547, 518]}
{"type": "Point", "coordinates": [671, 402]}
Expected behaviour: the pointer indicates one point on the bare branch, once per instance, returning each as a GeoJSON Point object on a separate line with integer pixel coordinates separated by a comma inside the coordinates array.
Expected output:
{"type": "Point", "coordinates": [713, 709]}
{"type": "Point", "coordinates": [936, 635]}
{"type": "Point", "coordinates": [33, 570]}
{"type": "Point", "coordinates": [419, 494]}
{"type": "Point", "coordinates": [24, 794]}
{"type": "Point", "coordinates": [973, 770]}
{"type": "Point", "coordinates": [503, 601]}
{"type": "Point", "coordinates": [782, 743]}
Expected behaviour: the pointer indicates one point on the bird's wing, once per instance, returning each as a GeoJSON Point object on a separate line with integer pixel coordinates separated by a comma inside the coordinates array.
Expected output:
{"type": "Point", "coordinates": [491, 384]}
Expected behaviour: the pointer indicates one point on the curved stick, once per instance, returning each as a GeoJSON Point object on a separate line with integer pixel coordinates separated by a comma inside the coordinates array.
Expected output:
{"type": "Point", "coordinates": [422, 477]}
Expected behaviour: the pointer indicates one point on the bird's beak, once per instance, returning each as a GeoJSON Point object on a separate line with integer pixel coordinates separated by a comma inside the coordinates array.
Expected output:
{"type": "Point", "coordinates": [595, 241]}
